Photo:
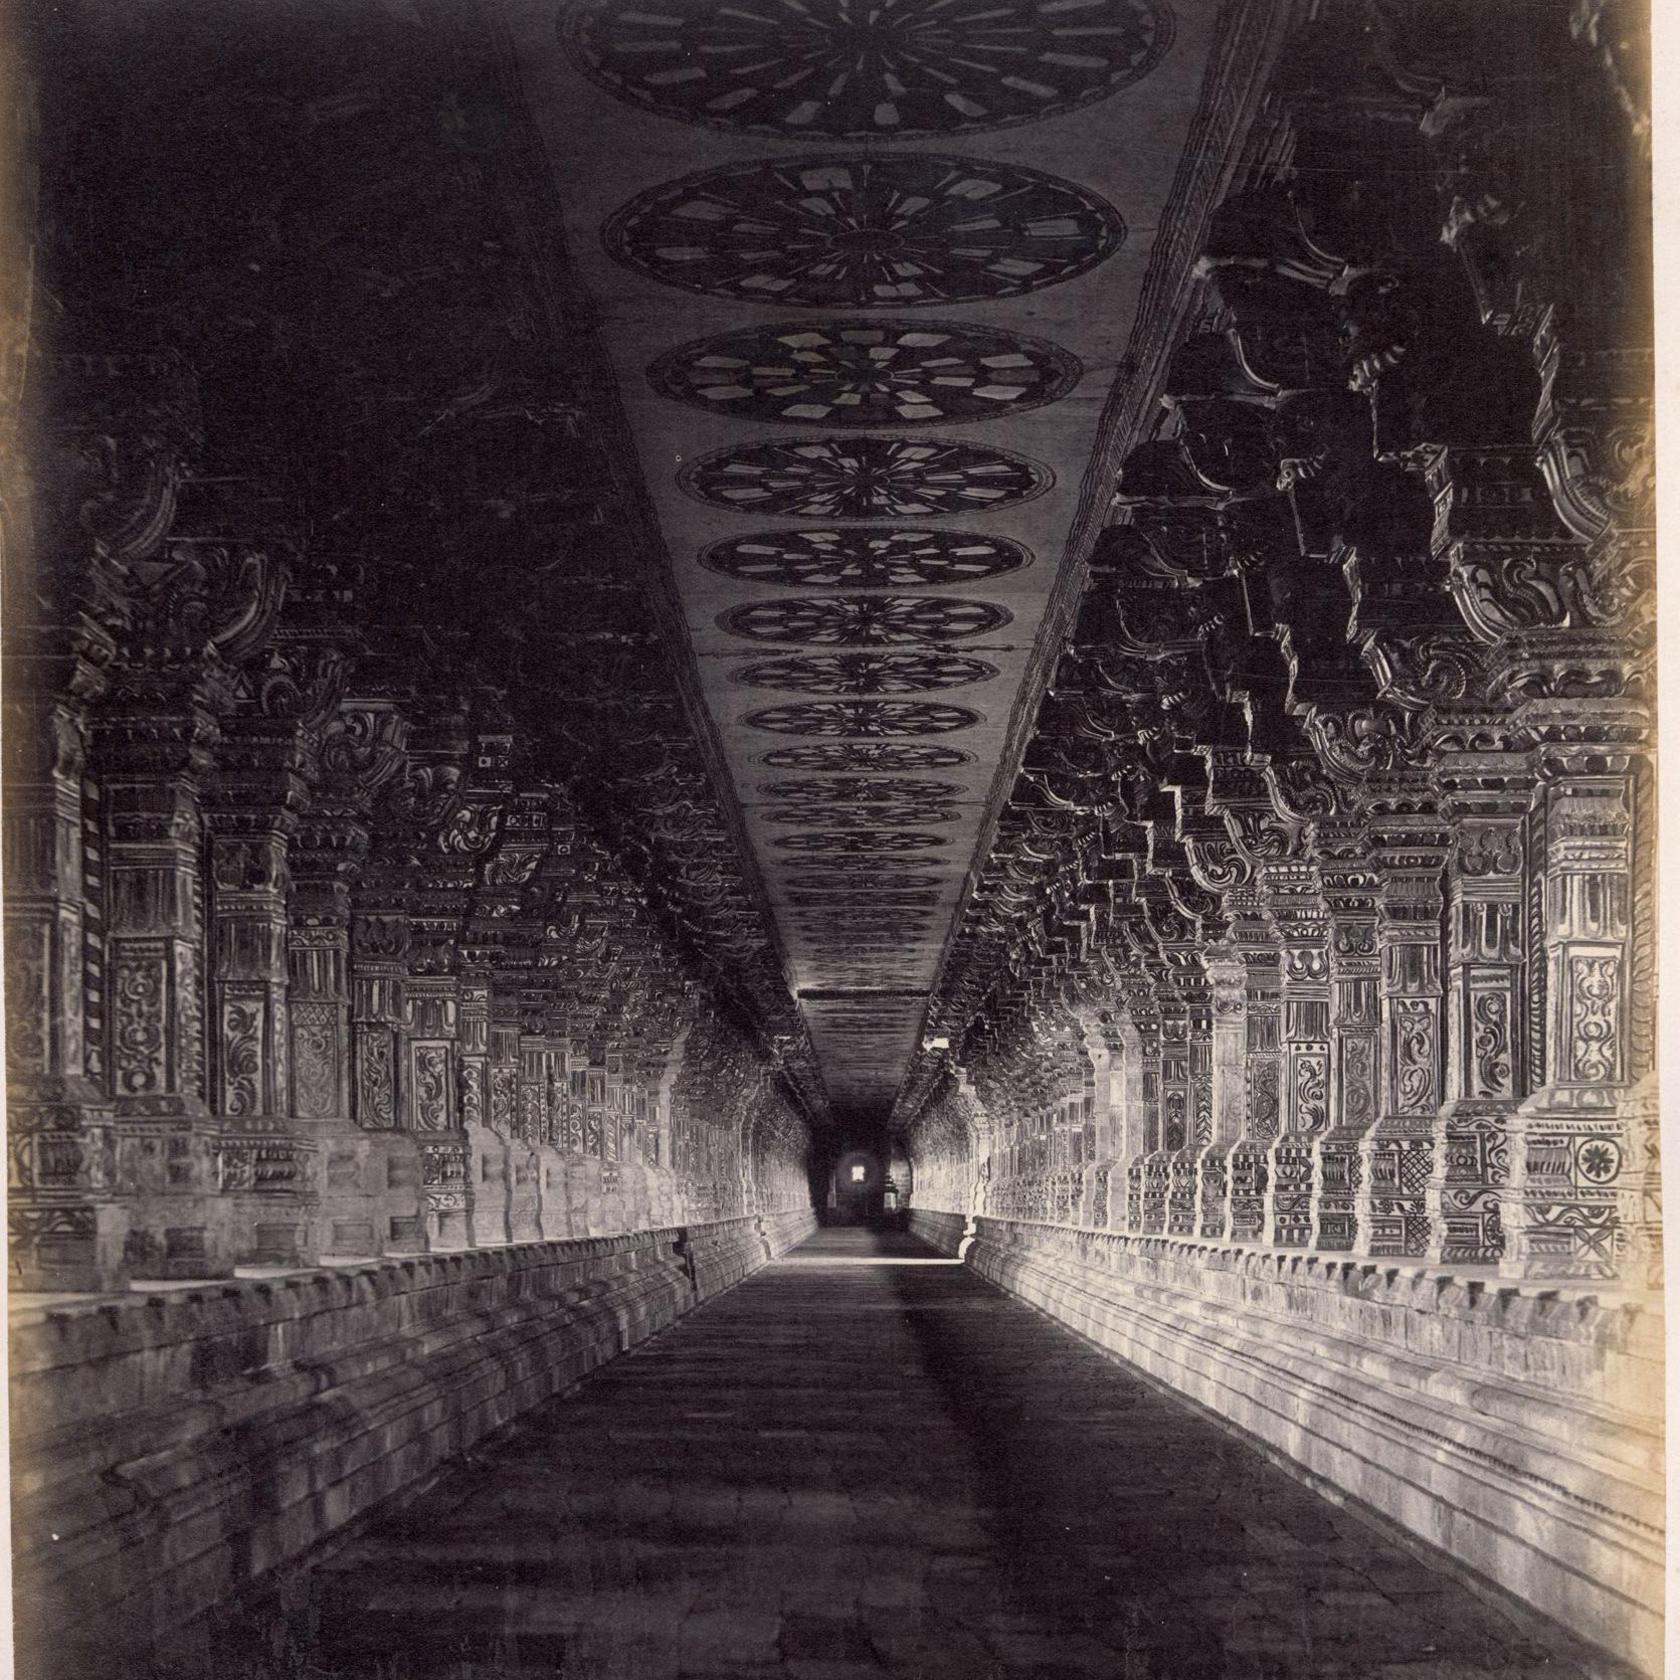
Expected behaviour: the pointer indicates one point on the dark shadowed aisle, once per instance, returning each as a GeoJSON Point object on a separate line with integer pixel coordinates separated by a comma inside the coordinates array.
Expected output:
{"type": "Point", "coordinates": [863, 1462]}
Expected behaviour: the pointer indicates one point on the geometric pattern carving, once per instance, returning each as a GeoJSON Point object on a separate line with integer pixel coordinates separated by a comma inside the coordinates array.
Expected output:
{"type": "Point", "coordinates": [864, 559]}
{"type": "Point", "coordinates": [836, 70]}
{"type": "Point", "coordinates": [858, 789]}
{"type": "Point", "coordinates": [845, 899]}
{"type": "Point", "coordinates": [866, 373]}
{"type": "Point", "coordinates": [863, 717]}
{"type": "Point", "coordinates": [867, 673]}
{"type": "Point", "coordinates": [860, 816]}
{"type": "Point", "coordinates": [850, 877]}
{"type": "Point", "coordinates": [881, 231]}
{"type": "Point", "coordinates": [863, 478]}
{"type": "Point", "coordinates": [864, 620]}
{"type": "Point", "coordinates": [894, 840]}
{"type": "Point", "coordinates": [864, 756]}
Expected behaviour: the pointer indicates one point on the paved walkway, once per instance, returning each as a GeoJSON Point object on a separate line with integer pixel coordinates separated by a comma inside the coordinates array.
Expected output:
{"type": "Point", "coordinates": [863, 1462]}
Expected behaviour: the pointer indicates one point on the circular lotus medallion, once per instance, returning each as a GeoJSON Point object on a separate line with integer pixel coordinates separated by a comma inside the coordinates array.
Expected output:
{"type": "Point", "coordinates": [867, 620]}
{"type": "Point", "coordinates": [866, 69]}
{"type": "Point", "coordinates": [865, 756]}
{"type": "Point", "coordinates": [860, 816]}
{"type": "Point", "coordinates": [879, 840]}
{"type": "Point", "coordinates": [861, 789]}
{"type": "Point", "coordinates": [863, 717]}
{"type": "Point", "coordinates": [866, 373]}
{"type": "Point", "coordinates": [882, 231]}
{"type": "Point", "coordinates": [864, 559]}
{"type": "Point", "coordinates": [863, 478]}
{"type": "Point", "coordinates": [867, 673]}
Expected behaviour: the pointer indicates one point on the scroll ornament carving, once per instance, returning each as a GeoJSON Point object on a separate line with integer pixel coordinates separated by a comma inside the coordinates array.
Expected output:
{"type": "Point", "coordinates": [314, 1029]}
{"type": "Point", "coordinates": [1595, 999]}
{"type": "Point", "coordinates": [241, 1049]}
{"type": "Point", "coordinates": [138, 1020]}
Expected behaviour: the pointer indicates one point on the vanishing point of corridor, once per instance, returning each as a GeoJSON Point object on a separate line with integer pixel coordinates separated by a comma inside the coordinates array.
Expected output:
{"type": "Point", "coordinates": [865, 1461]}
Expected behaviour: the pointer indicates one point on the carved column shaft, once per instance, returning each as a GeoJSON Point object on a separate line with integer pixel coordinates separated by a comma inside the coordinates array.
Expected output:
{"type": "Point", "coordinates": [65, 1227]}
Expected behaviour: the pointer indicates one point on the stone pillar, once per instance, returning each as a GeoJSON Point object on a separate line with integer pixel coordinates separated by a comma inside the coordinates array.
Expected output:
{"type": "Point", "coordinates": [525, 1200]}
{"type": "Point", "coordinates": [1349, 885]}
{"type": "Point", "coordinates": [1177, 1152]}
{"type": "Point", "coordinates": [1262, 1070]}
{"type": "Point", "coordinates": [430, 1088]}
{"type": "Point", "coordinates": [1486, 798]}
{"type": "Point", "coordinates": [65, 1226]}
{"type": "Point", "coordinates": [154, 740]}
{"type": "Point", "coordinates": [379, 1004]}
{"type": "Point", "coordinates": [269, 1167]}
{"type": "Point", "coordinates": [1564, 1211]}
{"type": "Point", "coordinates": [1303, 928]}
{"type": "Point", "coordinates": [1227, 1091]}
{"type": "Point", "coordinates": [1398, 1156]}
{"type": "Point", "coordinates": [489, 1163]}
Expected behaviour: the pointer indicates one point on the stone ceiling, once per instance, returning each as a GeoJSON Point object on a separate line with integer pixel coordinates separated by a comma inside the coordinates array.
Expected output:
{"type": "Point", "coordinates": [866, 275]}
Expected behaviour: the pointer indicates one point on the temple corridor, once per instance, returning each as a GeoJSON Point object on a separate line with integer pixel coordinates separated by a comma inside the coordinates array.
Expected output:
{"type": "Point", "coordinates": [642, 636]}
{"type": "Point", "coordinates": [866, 1462]}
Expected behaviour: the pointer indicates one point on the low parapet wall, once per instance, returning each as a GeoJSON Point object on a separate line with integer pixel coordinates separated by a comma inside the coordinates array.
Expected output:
{"type": "Point", "coordinates": [170, 1448]}
{"type": "Point", "coordinates": [1515, 1427]}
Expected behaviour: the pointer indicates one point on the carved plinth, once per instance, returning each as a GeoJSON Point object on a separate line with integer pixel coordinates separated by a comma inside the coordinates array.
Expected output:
{"type": "Point", "coordinates": [1248, 1167]}
{"type": "Point", "coordinates": [1565, 1210]}
{"type": "Point", "coordinates": [371, 1191]}
{"type": "Point", "coordinates": [1183, 1203]}
{"type": "Point", "coordinates": [1288, 1195]}
{"type": "Point", "coordinates": [1336, 1177]}
{"type": "Point", "coordinates": [1396, 1168]}
{"type": "Point", "coordinates": [65, 1228]}
{"type": "Point", "coordinates": [1468, 1179]}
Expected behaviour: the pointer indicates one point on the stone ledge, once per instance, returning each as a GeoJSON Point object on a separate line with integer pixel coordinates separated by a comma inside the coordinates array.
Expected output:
{"type": "Point", "coordinates": [173, 1448]}
{"type": "Point", "coordinates": [1403, 1387]}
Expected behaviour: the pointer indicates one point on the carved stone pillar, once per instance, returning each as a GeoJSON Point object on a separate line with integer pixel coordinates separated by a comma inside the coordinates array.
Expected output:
{"type": "Point", "coordinates": [1177, 1156]}
{"type": "Point", "coordinates": [1349, 885]}
{"type": "Point", "coordinates": [1303, 929]}
{"type": "Point", "coordinates": [269, 1168]}
{"type": "Point", "coordinates": [66, 1228]}
{"type": "Point", "coordinates": [1569, 1149]}
{"type": "Point", "coordinates": [1399, 1154]}
{"type": "Point", "coordinates": [361, 750]}
{"type": "Point", "coordinates": [431, 1087]}
{"type": "Point", "coordinates": [489, 1166]}
{"type": "Point", "coordinates": [524, 1187]}
{"type": "Point", "coordinates": [1487, 798]}
{"type": "Point", "coordinates": [1227, 1090]}
{"type": "Point", "coordinates": [154, 741]}
{"type": "Point", "coordinates": [379, 1003]}
{"type": "Point", "coordinates": [1146, 1186]}
{"type": "Point", "coordinates": [1262, 1072]}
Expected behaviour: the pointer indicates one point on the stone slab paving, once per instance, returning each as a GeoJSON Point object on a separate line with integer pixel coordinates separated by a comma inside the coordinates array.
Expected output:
{"type": "Point", "coordinates": [845, 1470]}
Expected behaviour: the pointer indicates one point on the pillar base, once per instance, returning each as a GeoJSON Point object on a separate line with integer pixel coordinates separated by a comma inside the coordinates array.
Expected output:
{"type": "Point", "coordinates": [1391, 1200]}
{"type": "Point", "coordinates": [1566, 1212]}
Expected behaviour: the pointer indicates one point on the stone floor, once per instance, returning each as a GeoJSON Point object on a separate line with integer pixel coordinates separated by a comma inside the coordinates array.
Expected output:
{"type": "Point", "coordinates": [866, 1462]}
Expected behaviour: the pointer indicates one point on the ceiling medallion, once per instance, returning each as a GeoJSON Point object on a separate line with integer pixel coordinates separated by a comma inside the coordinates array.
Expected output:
{"type": "Point", "coordinates": [863, 478]}
{"type": "Point", "coordinates": [838, 878]}
{"type": "Point", "coordinates": [866, 373]}
{"type": "Point", "coordinates": [862, 756]}
{"type": "Point", "coordinates": [867, 69]}
{"type": "Point", "coordinates": [877, 840]}
{"type": "Point", "coordinates": [863, 717]}
{"type": "Point", "coordinates": [863, 620]}
{"type": "Point", "coordinates": [864, 559]}
{"type": "Point", "coordinates": [867, 673]}
{"type": "Point", "coordinates": [883, 231]}
{"type": "Point", "coordinates": [908, 900]}
{"type": "Point", "coordinates": [860, 816]}
{"type": "Point", "coordinates": [859, 788]}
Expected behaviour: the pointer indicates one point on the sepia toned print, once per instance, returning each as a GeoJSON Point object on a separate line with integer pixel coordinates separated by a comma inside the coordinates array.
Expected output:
{"type": "Point", "coordinates": [830, 840]}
